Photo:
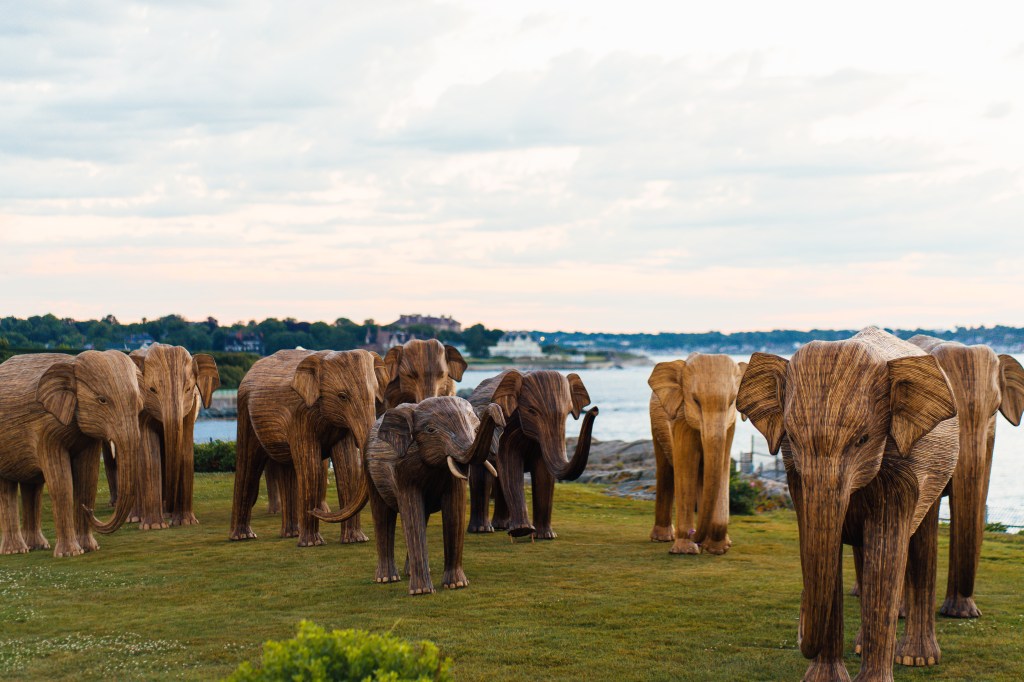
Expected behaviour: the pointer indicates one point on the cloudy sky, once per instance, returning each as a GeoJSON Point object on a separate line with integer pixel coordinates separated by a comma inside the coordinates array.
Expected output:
{"type": "Point", "coordinates": [644, 166]}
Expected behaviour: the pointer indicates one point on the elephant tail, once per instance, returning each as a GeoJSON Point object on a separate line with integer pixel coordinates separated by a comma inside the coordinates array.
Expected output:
{"type": "Point", "coordinates": [354, 506]}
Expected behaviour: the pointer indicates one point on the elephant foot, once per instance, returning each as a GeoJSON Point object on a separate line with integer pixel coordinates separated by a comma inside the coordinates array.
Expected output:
{"type": "Point", "coordinates": [311, 540]}
{"type": "Point", "coordinates": [242, 534]}
{"type": "Point", "coordinates": [858, 642]}
{"type": "Point", "coordinates": [417, 587]}
{"type": "Point", "coordinates": [134, 518]}
{"type": "Point", "coordinates": [15, 545]}
{"type": "Point", "coordinates": [663, 534]}
{"type": "Point", "coordinates": [684, 546]}
{"type": "Point", "coordinates": [352, 535]}
{"type": "Point", "coordinates": [717, 547]}
{"type": "Point", "coordinates": [112, 502]}
{"type": "Point", "coordinates": [67, 549]}
{"type": "Point", "coordinates": [544, 534]}
{"type": "Point", "coordinates": [827, 671]}
{"type": "Point", "coordinates": [273, 508]}
{"type": "Point", "coordinates": [499, 523]}
{"type": "Point", "coordinates": [387, 575]}
{"type": "Point", "coordinates": [88, 543]}
{"type": "Point", "coordinates": [918, 651]}
{"type": "Point", "coordinates": [455, 579]}
{"type": "Point", "coordinates": [957, 606]}
{"type": "Point", "coordinates": [855, 590]}
{"type": "Point", "coordinates": [184, 519]}
{"type": "Point", "coordinates": [480, 528]}
{"type": "Point", "coordinates": [519, 530]}
{"type": "Point", "coordinates": [37, 542]}
{"type": "Point", "coordinates": [867, 675]}
{"type": "Point", "coordinates": [153, 524]}
{"type": "Point", "coordinates": [289, 532]}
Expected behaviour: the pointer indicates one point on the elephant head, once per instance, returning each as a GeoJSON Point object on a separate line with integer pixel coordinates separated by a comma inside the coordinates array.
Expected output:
{"type": "Point", "coordinates": [837, 407]}
{"type": "Point", "coordinates": [701, 392]}
{"type": "Point", "coordinates": [343, 386]}
{"type": "Point", "coordinates": [99, 391]}
{"type": "Point", "coordinates": [540, 401]}
{"type": "Point", "coordinates": [422, 369]}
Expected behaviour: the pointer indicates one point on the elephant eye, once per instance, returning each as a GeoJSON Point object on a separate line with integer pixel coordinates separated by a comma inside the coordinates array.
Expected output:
{"type": "Point", "coordinates": [862, 440]}
{"type": "Point", "coordinates": [431, 429]}
{"type": "Point", "coordinates": [152, 389]}
{"type": "Point", "coordinates": [343, 396]}
{"type": "Point", "coordinates": [697, 403]}
{"type": "Point", "coordinates": [101, 400]}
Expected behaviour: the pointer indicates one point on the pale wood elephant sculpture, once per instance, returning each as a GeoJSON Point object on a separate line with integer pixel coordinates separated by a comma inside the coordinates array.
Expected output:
{"type": "Point", "coordinates": [416, 464]}
{"type": "Point", "coordinates": [296, 409]}
{"type": "Point", "coordinates": [693, 419]}
{"type": "Point", "coordinates": [174, 385]}
{"type": "Point", "coordinates": [56, 412]}
{"type": "Point", "coordinates": [869, 439]}
{"type": "Point", "coordinates": [536, 405]}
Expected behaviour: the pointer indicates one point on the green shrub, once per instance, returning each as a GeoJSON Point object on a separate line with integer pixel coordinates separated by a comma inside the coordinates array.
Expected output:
{"type": "Point", "coordinates": [217, 455]}
{"type": "Point", "coordinates": [318, 656]}
{"type": "Point", "coordinates": [742, 494]}
{"type": "Point", "coordinates": [996, 527]}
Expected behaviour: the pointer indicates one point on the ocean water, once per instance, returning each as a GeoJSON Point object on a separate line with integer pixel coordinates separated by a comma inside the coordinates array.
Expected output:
{"type": "Point", "coordinates": [623, 396]}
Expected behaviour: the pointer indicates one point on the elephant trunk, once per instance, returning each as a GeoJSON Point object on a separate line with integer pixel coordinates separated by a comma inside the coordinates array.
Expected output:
{"type": "Point", "coordinates": [821, 525]}
{"type": "Point", "coordinates": [967, 504]}
{"type": "Point", "coordinates": [715, 483]}
{"type": "Point", "coordinates": [553, 450]}
{"type": "Point", "coordinates": [354, 506]}
{"type": "Point", "coordinates": [126, 458]}
{"type": "Point", "coordinates": [174, 452]}
{"type": "Point", "coordinates": [492, 424]}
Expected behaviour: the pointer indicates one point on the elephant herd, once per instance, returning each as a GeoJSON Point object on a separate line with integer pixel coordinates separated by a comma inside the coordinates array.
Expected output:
{"type": "Point", "coordinates": [873, 431]}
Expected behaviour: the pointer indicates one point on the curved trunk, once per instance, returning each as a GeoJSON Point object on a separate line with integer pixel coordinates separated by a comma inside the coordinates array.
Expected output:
{"type": "Point", "coordinates": [553, 450]}
{"type": "Point", "coordinates": [715, 449]}
{"type": "Point", "coordinates": [126, 457]}
{"type": "Point", "coordinates": [485, 443]}
{"type": "Point", "coordinates": [821, 526]}
{"type": "Point", "coordinates": [356, 505]}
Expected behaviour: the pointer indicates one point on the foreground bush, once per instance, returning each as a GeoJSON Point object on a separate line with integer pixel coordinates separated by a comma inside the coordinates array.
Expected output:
{"type": "Point", "coordinates": [319, 656]}
{"type": "Point", "coordinates": [217, 455]}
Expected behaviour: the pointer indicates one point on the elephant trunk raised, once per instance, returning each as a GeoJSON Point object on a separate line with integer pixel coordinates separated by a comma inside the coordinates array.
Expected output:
{"type": "Point", "coordinates": [553, 450]}
{"type": "Point", "coordinates": [125, 451]}
{"type": "Point", "coordinates": [715, 445]}
{"type": "Point", "coordinates": [820, 519]}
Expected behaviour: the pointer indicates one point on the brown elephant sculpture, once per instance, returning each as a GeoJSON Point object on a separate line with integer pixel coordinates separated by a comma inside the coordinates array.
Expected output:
{"type": "Point", "coordinates": [536, 404]}
{"type": "Point", "coordinates": [693, 419]}
{"type": "Point", "coordinates": [297, 408]}
{"type": "Point", "coordinates": [416, 464]}
{"type": "Point", "coordinates": [983, 383]}
{"type": "Point", "coordinates": [868, 436]}
{"type": "Point", "coordinates": [56, 411]}
{"type": "Point", "coordinates": [174, 384]}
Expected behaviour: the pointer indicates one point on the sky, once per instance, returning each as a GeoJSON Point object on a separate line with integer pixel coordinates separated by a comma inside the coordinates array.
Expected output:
{"type": "Point", "coordinates": [620, 167]}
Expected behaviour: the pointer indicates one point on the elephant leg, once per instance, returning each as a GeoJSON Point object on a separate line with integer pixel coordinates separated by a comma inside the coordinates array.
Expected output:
{"type": "Point", "coordinates": [453, 524]}
{"type": "Point", "coordinates": [150, 497]}
{"type": "Point", "coordinates": [414, 525]}
{"type": "Point", "coordinates": [512, 474]}
{"type": "Point", "coordinates": [32, 513]}
{"type": "Point", "coordinates": [250, 460]}
{"type": "Point", "coordinates": [664, 494]}
{"type": "Point", "coordinates": [273, 494]}
{"type": "Point", "coordinates": [85, 473]}
{"type": "Point", "coordinates": [828, 665]}
{"type": "Point", "coordinates": [56, 466]}
{"type": "Point", "coordinates": [288, 487]}
{"type": "Point", "coordinates": [543, 484]}
{"type": "Point", "coordinates": [499, 517]}
{"type": "Point", "coordinates": [858, 568]}
{"type": "Point", "coordinates": [348, 470]}
{"type": "Point", "coordinates": [479, 499]}
{"type": "Point", "coordinates": [919, 646]}
{"type": "Point", "coordinates": [12, 542]}
{"type": "Point", "coordinates": [686, 459]}
{"type": "Point", "coordinates": [110, 469]}
{"type": "Point", "coordinates": [384, 524]}
{"type": "Point", "coordinates": [311, 486]}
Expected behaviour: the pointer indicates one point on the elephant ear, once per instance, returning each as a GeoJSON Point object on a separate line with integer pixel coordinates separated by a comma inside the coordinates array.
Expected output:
{"type": "Point", "coordinates": [392, 360]}
{"type": "Point", "coordinates": [306, 381]}
{"type": "Point", "coordinates": [741, 367]}
{"type": "Point", "coordinates": [456, 364]}
{"type": "Point", "coordinates": [56, 391]}
{"type": "Point", "coordinates": [139, 358]}
{"type": "Point", "coordinates": [578, 393]}
{"type": "Point", "coordinates": [396, 428]}
{"type": "Point", "coordinates": [380, 371]}
{"type": "Point", "coordinates": [919, 398]}
{"type": "Point", "coordinates": [666, 381]}
{"type": "Point", "coordinates": [762, 394]}
{"type": "Point", "coordinates": [507, 392]}
{"type": "Point", "coordinates": [1011, 385]}
{"type": "Point", "coordinates": [207, 377]}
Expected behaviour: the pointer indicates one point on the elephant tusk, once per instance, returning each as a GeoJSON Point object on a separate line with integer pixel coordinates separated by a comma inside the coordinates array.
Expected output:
{"type": "Point", "coordinates": [113, 450]}
{"type": "Point", "coordinates": [454, 469]}
{"type": "Point", "coordinates": [490, 467]}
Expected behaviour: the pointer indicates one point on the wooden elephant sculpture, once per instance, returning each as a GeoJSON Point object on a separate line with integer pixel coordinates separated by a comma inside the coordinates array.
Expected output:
{"type": "Point", "coordinates": [297, 408]}
{"type": "Point", "coordinates": [983, 383]}
{"type": "Point", "coordinates": [56, 412]}
{"type": "Point", "coordinates": [693, 419]}
{"type": "Point", "coordinates": [536, 405]}
{"type": "Point", "coordinates": [416, 464]}
{"type": "Point", "coordinates": [868, 436]}
{"type": "Point", "coordinates": [174, 384]}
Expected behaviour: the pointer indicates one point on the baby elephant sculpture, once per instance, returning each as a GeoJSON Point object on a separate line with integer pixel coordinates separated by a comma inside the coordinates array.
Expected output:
{"type": "Point", "coordinates": [416, 461]}
{"type": "Point", "coordinates": [869, 441]}
{"type": "Point", "coordinates": [693, 418]}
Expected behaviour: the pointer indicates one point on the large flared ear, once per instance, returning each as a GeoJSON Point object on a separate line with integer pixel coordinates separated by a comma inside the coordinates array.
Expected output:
{"type": "Point", "coordinates": [56, 391]}
{"type": "Point", "coordinates": [139, 358]}
{"type": "Point", "coordinates": [1011, 385]}
{"type": "Point", "coordinates": [396, 428]}
{"type": "Point", "coordinates": [741, 367]}
{"type": "Point", "coordinates": [306, 381]}
{"type": "Point", "coordinates": [456, 364]}
{"type": "Point", "coordinates": [919, 398]}
{"type": "Point", "coordinates": [380, 371]}
{"type": "Point", "coordinates": [207, 376]}
{"type": "Point", "coordinates": [507, 392]}
{"type": "Point", "coordinates": [762, 394]}
{"type": "Point", "coordinates": [666, 381]}
{"type": "Point", "coordinates": [578, 393]}
{"type": "Point", "coordinates": [391, 362]}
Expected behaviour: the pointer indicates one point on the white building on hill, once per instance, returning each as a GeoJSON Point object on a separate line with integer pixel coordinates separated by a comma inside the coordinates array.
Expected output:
{"type": "Point", "coordinates": [517, 345]}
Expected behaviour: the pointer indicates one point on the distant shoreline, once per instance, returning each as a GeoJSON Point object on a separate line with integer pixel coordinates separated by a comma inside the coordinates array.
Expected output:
{"type": "Point", "coordinates": [540, 363]}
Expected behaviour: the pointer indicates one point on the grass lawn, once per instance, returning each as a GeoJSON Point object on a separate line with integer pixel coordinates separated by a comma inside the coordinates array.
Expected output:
{"type": "Point", "coordinates": [599, 603]}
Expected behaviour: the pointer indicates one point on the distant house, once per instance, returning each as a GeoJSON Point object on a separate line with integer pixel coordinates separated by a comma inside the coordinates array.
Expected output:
{"type": "Point", "coordinates": [244, 342]}
{"type": "Point", "coordinates": [517, 345]}
{"type": "Point", "coordinates": [138, 341]}
{"type": "Point", "coordinates": [442, 323]}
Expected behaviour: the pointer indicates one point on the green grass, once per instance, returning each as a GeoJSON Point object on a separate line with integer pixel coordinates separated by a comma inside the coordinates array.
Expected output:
{"type": "Point", "coordinates": [600, 602]}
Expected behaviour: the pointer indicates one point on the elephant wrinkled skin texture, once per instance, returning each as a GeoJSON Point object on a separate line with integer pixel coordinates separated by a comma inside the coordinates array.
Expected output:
{"type": "Point", "coordinates": [416, 464]}
{"type": "Point", "coordinates": [869, 437]}
{"type": "Point", "coordinates": [56, 412]}
{"type": "Point", "coordinates": [296, 409]}
{"type": "Point", "coordinates": [693, 418]}
{"type": "Point", "coordinates": [536, 404]}
{"type": "Point", "coordinates": [174, 384]}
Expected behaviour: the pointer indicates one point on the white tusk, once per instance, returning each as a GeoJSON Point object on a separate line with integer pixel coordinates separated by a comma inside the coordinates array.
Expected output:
{"type": "Point", "coordinates": [454, 469]}
{"type": "Point", "coordinates": [490, 467]}
{"type": "Point", "coordinates": [113, 450]}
